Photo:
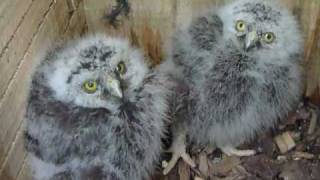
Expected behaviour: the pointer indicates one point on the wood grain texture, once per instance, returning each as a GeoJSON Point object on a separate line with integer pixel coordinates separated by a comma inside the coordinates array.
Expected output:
{"type": "Point", "coordinates": [77, 23]}
{"type": "Point", "coordinates": [57, 24]}
{"type": "Point", "coordinates": [12, 13]}
{"type": "Point", "coordinates": [28, 26]}
{"type": "Point", "coordinates": [147, 25]}
{"type": "Point", "coordinates": [14, 162]}
{"type": "Point", "coordinates": [13, 53]}
{"type": "Point", "coordinates": [12, 105]}
{"type": "Point", "coordinates": [25, 173]}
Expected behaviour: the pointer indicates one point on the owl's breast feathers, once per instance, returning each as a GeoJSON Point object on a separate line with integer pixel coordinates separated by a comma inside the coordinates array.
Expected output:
{"type": "Point", "coordinates": [228, 84]}
{"type": "Point", "coordinates": [58, 132]}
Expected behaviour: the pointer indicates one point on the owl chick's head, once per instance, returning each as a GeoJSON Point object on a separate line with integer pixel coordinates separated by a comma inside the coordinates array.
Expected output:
{"type": "Point", "coordinates": [95, 72]}
{"type": "Point", "coordinates": [261, 27]}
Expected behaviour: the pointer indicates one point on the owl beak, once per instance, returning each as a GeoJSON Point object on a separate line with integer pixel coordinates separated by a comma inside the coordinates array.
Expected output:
{"type": "Point", "coordinates": [251, 40]}
{"type": "Point", "coordinates": [114, 87]}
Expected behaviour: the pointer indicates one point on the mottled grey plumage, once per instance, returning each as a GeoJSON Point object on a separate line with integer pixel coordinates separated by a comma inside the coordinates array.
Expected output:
{"type": "Point", "coordinates": [108, 134]}
{"type": "Point", "coordinates": [242, 78]}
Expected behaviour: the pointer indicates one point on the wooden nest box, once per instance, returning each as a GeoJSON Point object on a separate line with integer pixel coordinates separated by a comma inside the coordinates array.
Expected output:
{"type": "Point", "coordinates": [28, 26]}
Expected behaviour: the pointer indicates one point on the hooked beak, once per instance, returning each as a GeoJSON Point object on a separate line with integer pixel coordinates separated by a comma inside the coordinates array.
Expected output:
{"type": "Point", "coordinates": [113, 86]}
{"type": "Point", "coordinates": [251, 40]}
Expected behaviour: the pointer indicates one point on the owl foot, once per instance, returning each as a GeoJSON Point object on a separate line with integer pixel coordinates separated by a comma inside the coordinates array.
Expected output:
{"type": "Point", "coordinates": [178, 149]}
{"type": "Point", "coordinates": [236, 152]}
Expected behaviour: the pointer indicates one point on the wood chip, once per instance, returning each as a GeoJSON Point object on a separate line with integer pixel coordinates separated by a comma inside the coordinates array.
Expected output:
{"type": "Point", "coordinates": [282, 158]}
{"type": "Point", "coordinates": [313, 122]}
{"type": "Point", "coordinates": [184, 170]}
{"type": "Point", "coordinates": [198, 178]}
{"type": "Point", "coordinates": [302, 155]}
{"type": "Point", "coordinates": [225, 166]}
{"type": "Point", "coordinates": [203, 164]}
{"type": "Point", "coordinates": [285, 142]}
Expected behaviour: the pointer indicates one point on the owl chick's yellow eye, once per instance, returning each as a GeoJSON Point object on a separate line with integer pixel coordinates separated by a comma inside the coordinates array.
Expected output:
{"type": "Point", "coordinates": [90, 86]}
{"type": "Point", "coordinates": [240, 26]}
{"type": "Point", "coordinates": [121, 68]}
{"type": "Point", "coordinates": [269, 37]}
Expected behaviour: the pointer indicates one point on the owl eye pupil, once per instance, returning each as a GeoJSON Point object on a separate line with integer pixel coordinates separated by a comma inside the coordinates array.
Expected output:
{"type": "Point", "coordinates": [269, 37]}
{"type": "Point", "coordinates": [90, 84]}
{"type": "Point", "coordinates": [121, 68]}
{"type": "Point", "coordinates": [240, 26]}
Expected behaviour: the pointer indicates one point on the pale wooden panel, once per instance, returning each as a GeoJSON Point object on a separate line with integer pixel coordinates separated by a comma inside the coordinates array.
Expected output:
{"type": "Point", "coordinates": [12, 55]}
{"type": "Point", "coordinates": [94, 10]}
{"type": "Point", "coordinates": [11, 15]}
{"type": "Point", "coordinates": [25, 173]}
{"type": "Point", "coordinates": [312, 53]}
{"type": "Point", "coordinates": [73, 4]}
{"type": "Point", "coordinates": [54, 27]}
{"type": "Point", "coordinates": [77, 24]}
{"type": "Point", "coordinates": [308, 14]}
{"type": "Point", "coordinates": [13, 104]}
{"type": "Point", "coordinates": [15, 159]}
{"type": "Point", "coordinates": [148, 24]}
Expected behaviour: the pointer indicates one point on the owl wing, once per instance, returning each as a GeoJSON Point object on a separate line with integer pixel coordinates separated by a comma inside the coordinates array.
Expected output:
{"type": "Point", "coordinates": [192, 45]}
{"type": "Point", "coordinates": [280, 92]}
{"type": "Point", "coordinates": [205, 31]}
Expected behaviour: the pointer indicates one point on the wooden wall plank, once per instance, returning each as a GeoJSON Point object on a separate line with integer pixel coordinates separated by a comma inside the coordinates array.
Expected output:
{"type": "Point", "coordinates": [77, 24]}
{"type": "Point", "coordinates": [25, 173]}
{"type": "Point", "coordinates": [312, 54]}
{"type": "Point", "coordinates": [73, 4]}
{"type": "Point", "coordinates": [56, 25]}
{"type": "Point", "coordinates": [148, 23]}
{"type": "Point", "coordinates": [94, 10]}
{"type": "Point", "coordinates": [12, 55]}
{"type": "Point", "coordinates": [15, 159]}
{"type": "Point", "coordinates": [11, 13]}
{"type": "Point", "coordinates": [13, 104]}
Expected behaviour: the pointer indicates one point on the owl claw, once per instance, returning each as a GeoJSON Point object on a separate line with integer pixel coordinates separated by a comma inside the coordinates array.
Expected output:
{"type": "Point", "coordinates": [178, 149]}
{"type": "Point", "coordinates": [236, 152]}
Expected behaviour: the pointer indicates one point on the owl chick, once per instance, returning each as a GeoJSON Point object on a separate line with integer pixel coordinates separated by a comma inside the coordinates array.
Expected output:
{"type": "Point", "coordinates": [95, 111]}
{"type": "Point", "coordinates": [241, 64]}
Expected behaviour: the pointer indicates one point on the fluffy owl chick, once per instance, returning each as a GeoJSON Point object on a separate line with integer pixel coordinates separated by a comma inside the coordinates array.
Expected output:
{"type": "Point", "coordinates": [95, 111]}
{"type": "Point", "coordinates": [242, 66]}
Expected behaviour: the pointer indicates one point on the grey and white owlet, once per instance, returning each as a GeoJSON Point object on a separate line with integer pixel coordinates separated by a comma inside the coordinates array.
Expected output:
{"type": "Point", "coordinates": [241, 67]}
{"type": "Point", "coordinates": [95, 111]}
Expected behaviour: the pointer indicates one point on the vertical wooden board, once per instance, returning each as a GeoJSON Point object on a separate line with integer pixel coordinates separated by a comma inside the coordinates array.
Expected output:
{"type": "Point", "coordinates": [25, 173]}
{"type": "Point", "coordinates": [308, 14]}
{"type": "Point", "coordinates": [149, 23]}
{"type": "Point", "coordinates": [15, 159]}
{"type": "Point", "coordinates": [77, 23]}
{"type": "Point", "coordinates": [73, 4]}
{"type": "Point", "coordinates": [94, 10]}
{"type": "Point", "coordinates": [11, 15]}
{"type": "Point", "coordinates": [12, 55]}
{"type": "Point", "coordinates": [312, 55]}
{"type": "Point", "coordinates": [75, 27]}
{"type": "Point", "coordinates": [62, 16]}
{"type": "Point", "coordinates": [13, 104]}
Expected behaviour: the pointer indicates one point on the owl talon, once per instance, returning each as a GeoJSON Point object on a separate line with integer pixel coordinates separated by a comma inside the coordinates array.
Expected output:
{"type": "Point", "coordinates": [236, 152]}
{"type": "Point", "coordinates": [178, 150]}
